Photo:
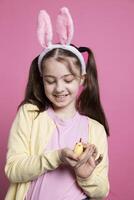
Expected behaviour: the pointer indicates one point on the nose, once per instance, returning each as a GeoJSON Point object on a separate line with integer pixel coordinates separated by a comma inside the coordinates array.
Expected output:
{"type": "Point", "coordinates": [59, 87]}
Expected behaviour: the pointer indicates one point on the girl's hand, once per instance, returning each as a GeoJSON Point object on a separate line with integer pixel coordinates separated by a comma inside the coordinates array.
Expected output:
{"type": "Point", "coordinates": [68, 157]}
{"type": "Point", "coordinates": [87, 161]}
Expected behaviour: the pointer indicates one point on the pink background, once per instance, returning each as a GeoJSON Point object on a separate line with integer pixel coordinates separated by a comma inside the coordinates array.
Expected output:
{"type": "Point", "coordinates": [107, 27]}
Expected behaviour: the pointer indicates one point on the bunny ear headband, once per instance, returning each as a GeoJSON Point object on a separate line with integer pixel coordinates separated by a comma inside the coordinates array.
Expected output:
{"type": "Point", "coordinates": [65, 31]}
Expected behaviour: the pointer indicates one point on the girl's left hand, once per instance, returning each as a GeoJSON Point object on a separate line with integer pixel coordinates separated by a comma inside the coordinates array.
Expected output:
{"type": "Point", "coordinates": [87, 161]}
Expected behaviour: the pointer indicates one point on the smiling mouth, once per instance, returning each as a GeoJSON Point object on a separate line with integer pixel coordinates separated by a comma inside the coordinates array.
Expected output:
{"type": "Point", "coordinates": [60, 97]}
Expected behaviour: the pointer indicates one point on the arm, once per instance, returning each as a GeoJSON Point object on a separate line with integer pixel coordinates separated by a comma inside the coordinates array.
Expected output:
{"type": "Point", "coordinates": [21, 166]}
{"type": "Point", "coordinates": [97, 184]}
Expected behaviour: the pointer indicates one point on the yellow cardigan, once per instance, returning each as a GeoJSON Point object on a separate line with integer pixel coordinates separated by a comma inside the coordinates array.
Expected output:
{"type": "Point", "coordinates": [26, 159]}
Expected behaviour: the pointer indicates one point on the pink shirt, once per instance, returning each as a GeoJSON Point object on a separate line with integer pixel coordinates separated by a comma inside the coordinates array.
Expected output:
{"type": "Point", "coordinates": [60, 184]}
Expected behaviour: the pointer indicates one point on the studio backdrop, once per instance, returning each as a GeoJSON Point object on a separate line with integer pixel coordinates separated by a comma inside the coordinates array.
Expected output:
{"type": "Point", "coordinates": [105, 26]}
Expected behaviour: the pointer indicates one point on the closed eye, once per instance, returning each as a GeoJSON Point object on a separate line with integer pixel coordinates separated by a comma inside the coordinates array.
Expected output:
{"type": "Point", "coordinates": [68, 79]}
{"type": "Point", "coordinates": [49, 81]}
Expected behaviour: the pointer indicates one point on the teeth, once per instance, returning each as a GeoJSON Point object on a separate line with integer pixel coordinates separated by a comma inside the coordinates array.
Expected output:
{"type": "Point", "coordinates": [61, 95]}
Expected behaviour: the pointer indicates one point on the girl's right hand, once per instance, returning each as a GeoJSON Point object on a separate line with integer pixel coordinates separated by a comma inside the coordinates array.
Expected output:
{"type": "Point", "coordinates": [68, 157]}
{"type": "Point", "coordinates": [87, 161]}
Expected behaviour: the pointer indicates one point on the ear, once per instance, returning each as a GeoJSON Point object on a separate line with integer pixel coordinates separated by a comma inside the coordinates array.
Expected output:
{"type": "Point", "coordinates": [44, 29]}
{"type": "Point", "coordinates": [83, 78]}
{"type": "Point", "coordinates": [65, 27]}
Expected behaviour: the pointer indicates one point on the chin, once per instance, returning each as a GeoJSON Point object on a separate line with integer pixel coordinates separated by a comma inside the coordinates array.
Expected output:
{"type": "Point", "coordinates": [61, 104]}
{"type": "Point", "coordinates": [57, 105]}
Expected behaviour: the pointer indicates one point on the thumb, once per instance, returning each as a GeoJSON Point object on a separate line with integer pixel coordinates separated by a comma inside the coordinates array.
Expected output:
{"type": "Point", "coordinates": [70, 154]}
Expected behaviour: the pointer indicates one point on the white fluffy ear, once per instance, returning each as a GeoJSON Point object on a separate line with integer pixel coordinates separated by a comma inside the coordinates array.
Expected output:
{"type": "Point", "coordinates": [65, 27]}
{"type": "Point", "coordinates": [44, 29]}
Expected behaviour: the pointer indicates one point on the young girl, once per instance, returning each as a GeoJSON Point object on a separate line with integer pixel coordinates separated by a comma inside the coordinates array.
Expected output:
{"type": "Point", "coordinates": [41, 162]}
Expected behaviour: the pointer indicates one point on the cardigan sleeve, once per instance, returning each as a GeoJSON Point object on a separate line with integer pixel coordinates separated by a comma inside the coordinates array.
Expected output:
{"type": "Point", "coordinates": [21, 166]}
{"type": "Point", "coordinates": [96, 186]}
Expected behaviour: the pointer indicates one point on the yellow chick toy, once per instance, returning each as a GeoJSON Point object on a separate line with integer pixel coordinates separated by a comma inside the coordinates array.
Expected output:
{"type": "Point", "coordinates": [78, 149]}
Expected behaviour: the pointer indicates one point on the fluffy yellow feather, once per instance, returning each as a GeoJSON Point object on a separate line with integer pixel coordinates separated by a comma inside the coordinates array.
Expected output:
{"type": "Point", "coordinates": [78, 149]}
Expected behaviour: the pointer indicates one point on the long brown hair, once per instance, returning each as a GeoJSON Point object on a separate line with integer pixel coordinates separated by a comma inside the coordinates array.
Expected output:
{"type": "Point", "coordinates": [88, 103]}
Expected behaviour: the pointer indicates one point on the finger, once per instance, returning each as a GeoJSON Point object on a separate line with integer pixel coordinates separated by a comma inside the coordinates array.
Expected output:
{"type": "Point", "coordinates": [70, 154]}
{"type": "Point", "coordinates": [89, 153]}
{"type": "Point", "coordinates": [99, 159]}
{"type": "Point", "coordinates": [84, 159]}
{"type": "Point", "coordinates": [84, 154]}
{"type": "Point", "coordinates": [85, 145]}
{"type": "Point", "coordinates": [95, 152]}
{"type": "Point", "coordinates": [71, 162]}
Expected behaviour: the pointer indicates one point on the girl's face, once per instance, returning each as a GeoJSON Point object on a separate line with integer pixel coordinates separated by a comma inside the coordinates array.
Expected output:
{"type": "Point", "coordinates": [60, 85]}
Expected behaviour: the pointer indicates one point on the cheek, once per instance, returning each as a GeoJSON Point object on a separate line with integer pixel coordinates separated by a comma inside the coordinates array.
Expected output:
{"type": "Point", "coordinates": [75, 87]}
{"type": "Point", "coordinates": [48, 89]}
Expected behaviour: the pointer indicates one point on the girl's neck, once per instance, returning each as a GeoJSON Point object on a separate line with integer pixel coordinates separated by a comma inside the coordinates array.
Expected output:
{"type": "Point", "coordinates": [65, 113]}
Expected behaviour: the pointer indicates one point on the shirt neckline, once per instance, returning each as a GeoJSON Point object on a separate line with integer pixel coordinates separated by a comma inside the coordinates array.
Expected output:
{"type": "Point", "coordinates": [60, 121]}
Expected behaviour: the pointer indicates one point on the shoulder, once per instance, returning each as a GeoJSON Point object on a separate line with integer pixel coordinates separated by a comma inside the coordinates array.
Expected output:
{"type": "Point", "coordinates": [28, 111]}
{"type": "Point", "coordinates": [31, 112]}
{"type": "Point", "coordinates": [95, 124]}
{"type": "Point", "coordinates": [96, 131]}
{"type": "Point", "coordinates": [29, 107]}
{"type": "Point", "coordinates": [24, 117]}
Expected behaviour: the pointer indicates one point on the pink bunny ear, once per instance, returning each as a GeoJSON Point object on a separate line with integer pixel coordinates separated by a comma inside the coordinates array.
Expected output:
{"type": "Point", "coordinates": [44, 29]}
{"type": "Point", "coordinates": [65, 27]}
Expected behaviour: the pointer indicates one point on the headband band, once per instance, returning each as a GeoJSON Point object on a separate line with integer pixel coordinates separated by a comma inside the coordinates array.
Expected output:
{"type": "Point", "coordinates": [65, 30]}
{"type": "Point", "coordinates": [65, 47]}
